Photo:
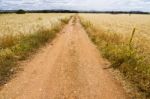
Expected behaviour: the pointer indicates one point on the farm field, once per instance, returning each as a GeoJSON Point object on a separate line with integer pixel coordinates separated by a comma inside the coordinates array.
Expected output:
{"type": "Point", "coordinates": [124, 40]}
{"type": "Point", "coordinates": [22, 34]}
{"type": "Point", "coordinates": [74, 56]}
{"type": "Point", "coordinates": [121, 23]}
{"type": "Point", "coordinates": [27, 23]}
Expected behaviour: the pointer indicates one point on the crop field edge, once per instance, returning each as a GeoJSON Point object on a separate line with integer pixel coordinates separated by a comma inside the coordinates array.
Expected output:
{"type": "Point", "coordinates": [14, 49]}
{"type": "Point", "coordinates": [139, 80]}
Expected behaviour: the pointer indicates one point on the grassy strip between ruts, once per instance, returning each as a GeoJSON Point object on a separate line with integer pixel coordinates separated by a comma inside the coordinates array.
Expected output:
{"type": "Point", "coordinates": [19, 47]}
{"type": "Point", "coordinates": [126, 56]}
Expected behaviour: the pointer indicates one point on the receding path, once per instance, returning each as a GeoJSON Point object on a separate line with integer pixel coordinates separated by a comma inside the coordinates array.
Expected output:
{"type": "Point", "coordinates": [70, 68]}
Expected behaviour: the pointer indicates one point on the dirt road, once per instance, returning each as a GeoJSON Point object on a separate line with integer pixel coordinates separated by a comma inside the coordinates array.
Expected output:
{"type": "Point", "coordinates": [70, 68]}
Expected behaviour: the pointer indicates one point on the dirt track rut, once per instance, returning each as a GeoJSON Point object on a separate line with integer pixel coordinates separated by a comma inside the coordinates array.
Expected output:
{"type": "Point", "coordinates": [70, 68]}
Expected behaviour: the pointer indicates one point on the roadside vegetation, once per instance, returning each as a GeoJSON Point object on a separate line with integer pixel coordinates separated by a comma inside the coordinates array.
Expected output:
{"type": "Point", "coordinates": [129, 54]}
{"type": "Point", "coordinates": [18, 47]}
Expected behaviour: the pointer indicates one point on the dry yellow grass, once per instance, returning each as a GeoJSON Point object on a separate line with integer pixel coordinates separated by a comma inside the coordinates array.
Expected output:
{"type": "Point", "coordinates": [121, 23]}
{"type": "Point", "coordinates": [21, 35]}
{"type": "Point", "coordinates": [27, 23]}
{"type": "Point", "coordinates": [129, 54]}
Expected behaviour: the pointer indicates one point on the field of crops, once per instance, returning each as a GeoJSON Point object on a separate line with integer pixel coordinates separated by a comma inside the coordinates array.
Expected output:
{"type": "Point", "coordinates": [27, 23]}
{"type": "Point", "coordinates": [124, 41]}
{"type": "Point", "coordinates": [122, 23]}
{"type": "Point", "coordinates": [22, 34]}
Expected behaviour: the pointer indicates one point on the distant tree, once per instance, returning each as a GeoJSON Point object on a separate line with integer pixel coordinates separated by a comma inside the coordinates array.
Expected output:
{"type": "Point", "coordinates": [45, 11]}
{"type": "Point", "coordinates": [21, 11]}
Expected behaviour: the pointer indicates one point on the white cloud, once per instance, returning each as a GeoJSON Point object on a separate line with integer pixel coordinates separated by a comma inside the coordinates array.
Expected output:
{"type": "Point", "coordinates": [142, 5]}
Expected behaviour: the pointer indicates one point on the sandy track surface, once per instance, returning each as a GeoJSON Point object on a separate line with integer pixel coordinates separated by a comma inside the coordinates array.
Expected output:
{"type": "Point", "coordinates": [70, 68]}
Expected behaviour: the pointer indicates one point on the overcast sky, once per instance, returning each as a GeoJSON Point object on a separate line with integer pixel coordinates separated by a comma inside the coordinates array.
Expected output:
{"type": "Point", "coordinates": [125, 5]}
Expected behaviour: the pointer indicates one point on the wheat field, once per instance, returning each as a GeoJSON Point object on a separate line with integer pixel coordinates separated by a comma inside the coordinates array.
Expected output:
{"type": "Point", "coordinates": [121, 23]}
{"type": "Point", "coordinates": [27, 23]}
{"type": "Point", "coordinates": [23, 34]}
{"type": "Point", "coordinates": [124, 40]}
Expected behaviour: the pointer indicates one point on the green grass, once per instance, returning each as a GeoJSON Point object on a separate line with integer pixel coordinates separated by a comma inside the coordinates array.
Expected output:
{"type": "Point", "coordinates": [14, 48]}
{"type": "Point", "coordinates": [126, 55]}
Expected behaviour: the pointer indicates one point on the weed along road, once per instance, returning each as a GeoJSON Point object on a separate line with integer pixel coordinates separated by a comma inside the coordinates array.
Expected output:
{"type": "Point", "coordinates": [68, 68]}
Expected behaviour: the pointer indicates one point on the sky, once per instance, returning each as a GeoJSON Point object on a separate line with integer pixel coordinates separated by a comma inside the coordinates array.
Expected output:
{"type": "Point", "coordinates": [100, 5]}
